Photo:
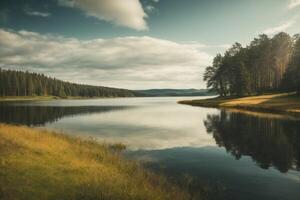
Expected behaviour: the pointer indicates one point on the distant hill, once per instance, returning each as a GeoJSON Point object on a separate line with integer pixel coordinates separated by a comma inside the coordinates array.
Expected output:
{"type": "Point", "coordinates": [172, 92]}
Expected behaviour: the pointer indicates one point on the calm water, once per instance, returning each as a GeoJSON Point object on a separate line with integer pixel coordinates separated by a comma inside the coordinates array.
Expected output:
{"type": "Point", "coordinates": [243, 156]}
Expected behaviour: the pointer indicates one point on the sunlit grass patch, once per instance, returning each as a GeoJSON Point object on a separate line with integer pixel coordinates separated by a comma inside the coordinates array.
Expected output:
{"type": "Point", "coordinates": [284, 102]}
{"type": "Point", "coordinates": [38, 164]}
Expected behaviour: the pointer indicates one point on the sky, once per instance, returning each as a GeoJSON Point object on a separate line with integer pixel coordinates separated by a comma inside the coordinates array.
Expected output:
{"type": "Point", "coordinates": [134, 44]}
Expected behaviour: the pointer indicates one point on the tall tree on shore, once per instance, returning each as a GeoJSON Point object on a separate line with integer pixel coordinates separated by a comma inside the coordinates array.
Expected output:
{"type": "Point", "coordinates": [282, 47]}
{"type": "Point", "coordinates": [292, 76]}
{"type": "Point", "coordinates": [234, 61]}
{"type": "Point", "coordinates": [256, 68]}
{"type": "Point", "coordinates": [214, 77]}
{"type": "Point", "coordinates": [260, 70]}
{"type": "Point", "coordinates": [29, 84]}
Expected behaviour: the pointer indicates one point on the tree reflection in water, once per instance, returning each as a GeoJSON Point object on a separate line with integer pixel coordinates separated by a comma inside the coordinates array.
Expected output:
{"type": "Point", "coordinates": [269, 141]}
{"type": "Point", "coordinates": [40, 115]}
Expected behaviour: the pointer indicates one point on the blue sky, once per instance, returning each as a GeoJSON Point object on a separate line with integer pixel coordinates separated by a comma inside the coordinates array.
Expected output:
{"type": "Point", "coordinates": [131, 43]}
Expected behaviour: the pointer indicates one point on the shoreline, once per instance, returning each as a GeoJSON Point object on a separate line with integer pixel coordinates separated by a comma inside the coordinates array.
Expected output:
{"type": "Point", "coordinates": [27, 98]}
{"type": "Point", "coordinates": [57, 166]}
{"type": "Point", "coordinates": [46, 98]}
{"type": "Point", "coordinates": [284, 103]}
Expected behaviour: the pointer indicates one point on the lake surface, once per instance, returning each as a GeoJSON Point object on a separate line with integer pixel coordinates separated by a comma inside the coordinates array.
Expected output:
{"type": "Point", "coordinates": [233, 154]}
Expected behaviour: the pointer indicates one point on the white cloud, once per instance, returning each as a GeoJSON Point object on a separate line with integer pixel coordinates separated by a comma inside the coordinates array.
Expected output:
{"type": "Point", "coordinates": [204, 46]}
{"type": "Point", "coordinates": [133, 62]}
{"type": "Point", "coordinates": [294, 4]}
{"type": "Point", "coordinates": [129, 13]}
{"type": "Point", "coordinates": [29, 11]}
{"type": "Point", "coordinates": [149, 8]}
{"type": "Point", "coordinates": [280, 28]}
{"type": "Point", "coordinates": [36, 13]}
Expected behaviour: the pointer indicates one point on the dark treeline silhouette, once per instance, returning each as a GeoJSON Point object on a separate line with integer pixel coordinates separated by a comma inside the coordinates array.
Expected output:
{"type": "Point", "coordinates": [40, 115]}
{"type": "Point", "coordinates": [266, 64]}
{"type": "Point", "coordinates": [269, 141]}
{"type": "Point", "coordinates": [18, 83]}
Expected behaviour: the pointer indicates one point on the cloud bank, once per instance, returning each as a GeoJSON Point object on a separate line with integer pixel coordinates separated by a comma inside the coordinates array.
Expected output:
{"type": "Point", "coordinates": [29, 11]}
{"type": "Point", "coordinates": [128, 13]}
{"type": "Point", "coordinates": [294, 4]}
{"type": "Point", "coordinates": [36, 13]}
{"type": "Point", "coordinates": [280, 28]}
{"type": "Point", "coordinates": [130, 62]}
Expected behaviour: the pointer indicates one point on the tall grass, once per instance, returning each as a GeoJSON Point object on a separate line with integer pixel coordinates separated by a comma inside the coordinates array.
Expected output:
{"type": "Point", "coordinates": [38, 164]}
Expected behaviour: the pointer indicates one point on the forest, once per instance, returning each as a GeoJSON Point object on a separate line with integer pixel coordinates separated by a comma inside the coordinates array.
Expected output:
{"type": "Point", "coordinates": [19, 83]}
{"type": "Point", "coordinates": [265, 65]}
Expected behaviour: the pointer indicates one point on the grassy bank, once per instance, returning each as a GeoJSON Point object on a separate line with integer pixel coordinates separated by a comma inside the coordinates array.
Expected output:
{"type": "Point", "coordinates": [38, 164]}
{"type": "Point", "coordinates": [27, 98]}
{"type": "Point", "coordinates": [283, 103]}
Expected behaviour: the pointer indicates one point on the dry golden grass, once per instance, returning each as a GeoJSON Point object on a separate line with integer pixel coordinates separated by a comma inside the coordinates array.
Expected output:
{"type": "Point", "coordinates": [285, 103]}
{"type": "Point", "coordinates": [37, 164]}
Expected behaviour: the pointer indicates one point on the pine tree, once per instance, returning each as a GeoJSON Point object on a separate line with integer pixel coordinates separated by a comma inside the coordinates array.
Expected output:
{"type": "Point", "coordinates": [28, 84]}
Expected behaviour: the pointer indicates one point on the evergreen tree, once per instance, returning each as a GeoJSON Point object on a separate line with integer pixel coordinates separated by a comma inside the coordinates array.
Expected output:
{"type": "Point", "coordinates": [292, 77]}
{"type": "Point", "coordinates": [262, 66]}
{"type": "Point", "coordinates": [18, 83]}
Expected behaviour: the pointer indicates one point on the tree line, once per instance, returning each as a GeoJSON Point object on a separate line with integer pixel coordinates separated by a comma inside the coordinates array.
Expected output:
{"type": "Point", "coordinates": [265, 65]}
{"type": "Point", "coordinates": [19, 83]}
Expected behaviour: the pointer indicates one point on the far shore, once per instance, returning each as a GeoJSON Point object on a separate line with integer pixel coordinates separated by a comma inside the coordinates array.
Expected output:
{"type": "Point", "coordinates": [41, 98]}
{"type": "Point", "coordinates": [47, 98]}
{"type": "Point", "coordinates": [27, 98]}
{"type": "Point", "coordinates": [275, 103]}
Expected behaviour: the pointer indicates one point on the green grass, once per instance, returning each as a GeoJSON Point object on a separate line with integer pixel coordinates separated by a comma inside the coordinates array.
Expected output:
{"type": "Point", "coordinates": [40, 165]}
{"type": "Point", "coordinates": [283, 103]}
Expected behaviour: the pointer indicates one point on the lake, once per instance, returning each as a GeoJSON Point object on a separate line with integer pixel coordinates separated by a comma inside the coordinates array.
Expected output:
{"type": "Point", "coordinates": [230, 153]}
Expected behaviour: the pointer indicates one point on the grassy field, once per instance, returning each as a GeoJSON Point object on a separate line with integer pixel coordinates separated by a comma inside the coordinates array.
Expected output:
{"type": "Point", "coordinates": [38, 164]}
{"type": "Point", "coordinates": [283, 103]}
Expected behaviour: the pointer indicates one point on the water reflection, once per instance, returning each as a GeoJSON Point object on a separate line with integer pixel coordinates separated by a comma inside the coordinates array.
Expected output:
{"type": "Point", "coordinates": [40, 115]}
{"type": "Point", "coordinates": [269, 141]}
{"type": "Point", "coordinates": [144, 123]}
{"type": "Point", "coordinates": [143, 127]}
{"type": "Point", "coordinates": [173, 139]}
